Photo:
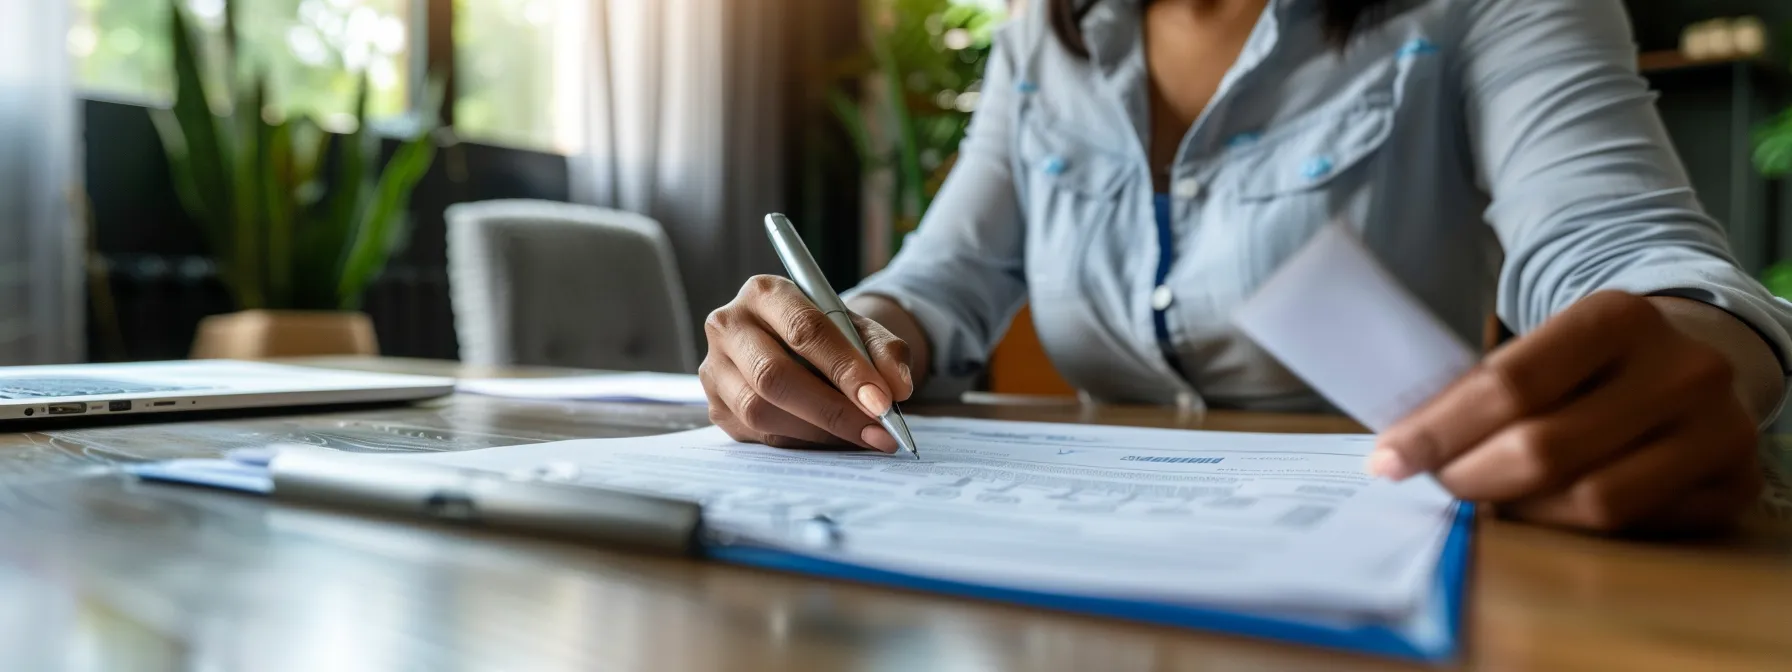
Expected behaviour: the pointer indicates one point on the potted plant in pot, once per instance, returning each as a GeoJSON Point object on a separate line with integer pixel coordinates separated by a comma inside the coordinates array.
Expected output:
{"type": "Point", "coordinates": [298, 221]}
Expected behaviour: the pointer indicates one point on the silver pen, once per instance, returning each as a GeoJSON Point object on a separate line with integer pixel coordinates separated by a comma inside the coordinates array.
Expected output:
{"type": "Point", "coordinates": [809, 278]}
{"type": "Point", "coordinates": [529, 503]}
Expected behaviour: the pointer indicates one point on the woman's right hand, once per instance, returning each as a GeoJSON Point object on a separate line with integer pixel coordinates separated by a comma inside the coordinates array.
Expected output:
{"type": "Point", "coordinates": [760, 391]}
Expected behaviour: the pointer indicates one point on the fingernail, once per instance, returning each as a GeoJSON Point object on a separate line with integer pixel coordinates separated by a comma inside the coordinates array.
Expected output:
{"type": "Point", "coordinates": [878, 438]}
{"type": "Point", "coordinates": [874, 400]}
{"type": "Point", "coordinates": [1389, 465]}
{"type": "Point", "coordinates": [906, 380]}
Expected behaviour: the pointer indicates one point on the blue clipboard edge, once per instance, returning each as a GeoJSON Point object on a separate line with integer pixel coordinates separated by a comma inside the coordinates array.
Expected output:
{"type": "Point", "coordinates": [1442, 616]}
{"type": "Point", "coordinates": [1432, 635]}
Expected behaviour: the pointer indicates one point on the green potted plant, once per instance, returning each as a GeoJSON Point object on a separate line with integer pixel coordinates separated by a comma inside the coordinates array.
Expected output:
{"type": "Point", "coordinates": [923, 68]}
{"type": "Point", "coordinates": [297, 220]}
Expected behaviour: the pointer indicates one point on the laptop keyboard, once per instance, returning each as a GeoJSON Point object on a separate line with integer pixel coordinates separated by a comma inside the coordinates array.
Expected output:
{"type": "Point", "coordinates": [37, 388]}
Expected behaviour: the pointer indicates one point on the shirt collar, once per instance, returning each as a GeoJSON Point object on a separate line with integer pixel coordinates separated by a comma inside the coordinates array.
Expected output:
{"type": "Point", "coordinates": [1111, 29]}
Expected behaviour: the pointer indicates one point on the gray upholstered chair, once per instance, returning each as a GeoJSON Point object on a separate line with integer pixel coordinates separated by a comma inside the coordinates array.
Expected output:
{"type": "Point", "coordinates": [537, 283]}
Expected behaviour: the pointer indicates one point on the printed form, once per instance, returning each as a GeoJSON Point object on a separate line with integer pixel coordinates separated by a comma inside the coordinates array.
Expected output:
{"type": "Point", "coordinates": [1269, 522]}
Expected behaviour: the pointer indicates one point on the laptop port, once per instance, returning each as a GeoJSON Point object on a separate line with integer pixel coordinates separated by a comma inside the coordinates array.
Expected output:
{"type": "Point", "coordinates": [68, 409]}
{"type": "Point", "coordinates": [118, 406]}
{"type": "Point", "coordinates": [160, 404]}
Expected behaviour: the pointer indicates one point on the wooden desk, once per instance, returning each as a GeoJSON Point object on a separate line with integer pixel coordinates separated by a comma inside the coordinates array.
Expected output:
{"type": "Point", "coordinates": [128, 576]}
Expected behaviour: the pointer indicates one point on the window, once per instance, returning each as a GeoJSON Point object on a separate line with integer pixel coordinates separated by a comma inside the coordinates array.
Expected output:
{"type": "Point", "coordinates": [313, 52]}
{"type": "Point", "coordinates": [519, 63]}
{"type": "Point", "coordinates": [122, 48]}
{"type": "Point", "coordinates": [519, 67]}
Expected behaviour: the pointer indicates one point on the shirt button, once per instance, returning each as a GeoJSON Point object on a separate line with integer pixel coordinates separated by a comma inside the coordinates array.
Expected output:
{"type": "Point", "coordinates": [1162, 297]}
{"type": "Point", "coordinates": [1186, 188]}
{"type": "Point", "coordinates": [1317, 167]}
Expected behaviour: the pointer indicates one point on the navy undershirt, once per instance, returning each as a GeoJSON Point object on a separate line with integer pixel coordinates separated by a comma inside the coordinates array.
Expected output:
{"type": "Point", "coordinates": [1166, 254]}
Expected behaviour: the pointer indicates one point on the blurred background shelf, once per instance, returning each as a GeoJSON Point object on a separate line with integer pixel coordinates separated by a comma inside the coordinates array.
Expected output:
{"type": "Point", "coordinates": [1670, 60]}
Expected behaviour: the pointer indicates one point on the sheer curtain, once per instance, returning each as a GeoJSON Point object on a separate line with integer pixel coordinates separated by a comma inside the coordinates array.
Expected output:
{"type": "Point", "coordinates": [684, 113]}
{"type": "Point", "coordinates": [41, 305]}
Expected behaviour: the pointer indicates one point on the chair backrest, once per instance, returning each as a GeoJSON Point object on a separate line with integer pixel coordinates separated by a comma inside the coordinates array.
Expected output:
{"type": "Point", "coordinates": [538, 283]}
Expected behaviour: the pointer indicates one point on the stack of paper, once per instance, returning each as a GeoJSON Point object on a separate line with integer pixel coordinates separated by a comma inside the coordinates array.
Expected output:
{"type": "Point", "coordinates": [1271, 535]}
{"type": "Point", "coordinates": [1268, 523]}
{"type": "Point", "coordinates": [663, 388]}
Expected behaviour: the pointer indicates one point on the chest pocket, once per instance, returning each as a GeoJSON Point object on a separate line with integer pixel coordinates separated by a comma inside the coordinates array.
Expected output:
{"type": "Point", "coordinates": [1317, 153]}
{"type": "Point", "coordinates": [1070, 189]}
{"type": "Point", "coordinates": [1293, 181]}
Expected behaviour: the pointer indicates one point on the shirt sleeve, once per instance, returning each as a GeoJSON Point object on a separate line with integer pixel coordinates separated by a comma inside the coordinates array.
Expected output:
{"type": "Point", "coordinates": [1587, 192]}
{"type": "Point", "coordinates": [961, 274]}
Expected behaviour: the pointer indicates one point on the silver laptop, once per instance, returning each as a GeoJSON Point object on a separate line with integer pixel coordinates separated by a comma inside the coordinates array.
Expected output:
{"type": "Point", "coordinates": [44, 392]}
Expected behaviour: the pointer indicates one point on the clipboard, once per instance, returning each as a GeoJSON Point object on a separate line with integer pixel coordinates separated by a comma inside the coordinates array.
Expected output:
{"type": "Point", "coordinates": [1431, 633]}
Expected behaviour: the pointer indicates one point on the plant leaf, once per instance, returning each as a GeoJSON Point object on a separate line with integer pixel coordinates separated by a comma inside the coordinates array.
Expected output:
{"type": "Point", "coordinates": [315, 257]}
{"type": "Point", "coordinates": [1773, 146]}
{"type": "Point", "coordinates": [381, 226]}
{"type": "Point", "coordinates": [852, 118]}
{"type": "Point", "coordinates": [1778, 280]}
{"type": "Point", "coordinates": [198, 157]}
{"type": "Point", "coordinates": [249, 152]}
{"type": "Point", "coordinates": [278, 189]}
{"type": "Point", "coordinates": [336, 233]}
{"type": "Point", "coordinates": [310, 145]}
{"type": "Point", "coordinates": [182, 172]}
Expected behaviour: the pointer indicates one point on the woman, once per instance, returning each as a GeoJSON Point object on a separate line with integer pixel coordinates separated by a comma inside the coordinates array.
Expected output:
{"type": "Point", "coordinates": [1136, 169]}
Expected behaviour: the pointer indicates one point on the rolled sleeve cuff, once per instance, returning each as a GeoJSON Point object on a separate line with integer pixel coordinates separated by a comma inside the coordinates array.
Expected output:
{"type": "Point", "coordinates": [1734, 292]}
{"type": "Point", "coordinates": [956, 365]}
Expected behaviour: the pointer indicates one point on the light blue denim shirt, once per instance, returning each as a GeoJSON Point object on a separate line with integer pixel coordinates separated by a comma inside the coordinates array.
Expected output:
{"type": "Point", "coordinates": [1495, 154]}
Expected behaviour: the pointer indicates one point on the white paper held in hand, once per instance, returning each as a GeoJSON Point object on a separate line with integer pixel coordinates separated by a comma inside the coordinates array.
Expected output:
{"type": "Point", "coordinates": [1342, 322]}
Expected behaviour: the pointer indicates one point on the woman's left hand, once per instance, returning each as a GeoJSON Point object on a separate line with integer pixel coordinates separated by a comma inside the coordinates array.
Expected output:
{"type": "Point", "coordinates": [1607, 418]}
